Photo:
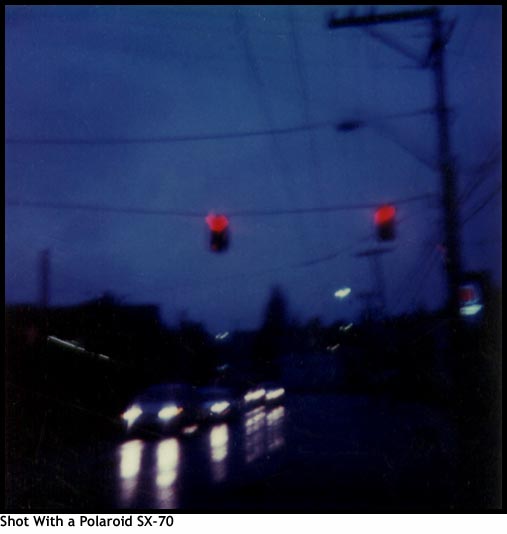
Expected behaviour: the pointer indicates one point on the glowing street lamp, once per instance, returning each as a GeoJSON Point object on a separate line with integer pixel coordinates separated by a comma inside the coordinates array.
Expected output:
{"type": "Point", "coordinates": [342, 293]}
{"type": "Point", "coordinates": [222, 336]}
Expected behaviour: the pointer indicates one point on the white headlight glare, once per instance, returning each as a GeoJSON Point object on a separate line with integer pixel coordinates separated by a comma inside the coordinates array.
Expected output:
{"type": "Point", "coordinates": [275, 394]}
{"type": "Point", "coordinates": [219, 407]}
{"type": "Point", "coordinates": [132, 414]}
{"type": "Point", "coordinates": [168, 412]}
{"type": "Point", "coordinates": [254, 395]}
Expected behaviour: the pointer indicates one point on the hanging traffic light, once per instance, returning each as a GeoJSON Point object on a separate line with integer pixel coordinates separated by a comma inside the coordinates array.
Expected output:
{"type": "Point", "coordinates": [219, 237]}
{"type": "Point", "coordinates": [385, 222]}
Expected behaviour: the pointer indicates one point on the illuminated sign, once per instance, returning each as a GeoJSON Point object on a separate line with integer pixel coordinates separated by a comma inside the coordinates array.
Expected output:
{"type": "Point", "coordinates": [470, 299]}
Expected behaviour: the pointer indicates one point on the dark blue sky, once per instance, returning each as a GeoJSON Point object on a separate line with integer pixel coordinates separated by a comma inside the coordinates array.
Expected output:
{"type": "Point", "coordinates": [141, 72]}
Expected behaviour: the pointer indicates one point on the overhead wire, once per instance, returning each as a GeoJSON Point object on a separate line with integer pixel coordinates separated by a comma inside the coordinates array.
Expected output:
{"type": "Point", "coordinates": [482, 205]}
{"type": "Point", "coordinates": [426, 161]}
{"type": "Point", "coordinates": [277, 269]}
{"type": "Point", "coordinates": [197, 214]}
{"type": "Point", "coordinates": [420, 157]}
{"type": "Point", "coordinates": [474, 19]}
{"type": "Point", "coordinates": [303, 87]}
{"type": "Point", "coordinates": [412, 274]}
{"type": "Point", "coordinates": [403, 294]}
{"type": "Point", "coordinates": [166, 138]}
{"type": "Point", "coordinates": [242, 32]}
{"type": "Point", "coordinates": [424, 267]}
{"type": "Point", "coordinates": [102, 208]}
{"type": "Point", "coordinates": [291, 266]}
{"type": "Point", "coordinates": [481, 172]}
{"type": "Point", "coordinates": [246, 213]}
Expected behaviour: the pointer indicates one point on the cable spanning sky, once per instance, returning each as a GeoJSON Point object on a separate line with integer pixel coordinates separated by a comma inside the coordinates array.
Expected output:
{"type": "Point", "coordinates": [118, 118]}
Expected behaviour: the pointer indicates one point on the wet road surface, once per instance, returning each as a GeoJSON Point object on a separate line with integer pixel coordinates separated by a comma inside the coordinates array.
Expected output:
{"type": "Point", "coordinates": [315, 452]}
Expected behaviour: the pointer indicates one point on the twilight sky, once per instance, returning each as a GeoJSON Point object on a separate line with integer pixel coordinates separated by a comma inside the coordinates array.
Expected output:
{"type": "Point", "coordinates": [132, 104]}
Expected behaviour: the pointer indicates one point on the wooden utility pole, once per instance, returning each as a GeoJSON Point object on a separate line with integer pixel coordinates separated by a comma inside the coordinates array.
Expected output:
{"type": "Point", "coordinates": [446, 163]}
{"type": "Point", "coordinates": [44, 278]}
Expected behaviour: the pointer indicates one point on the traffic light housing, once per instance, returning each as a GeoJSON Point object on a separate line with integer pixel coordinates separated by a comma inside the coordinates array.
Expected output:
{"type": "Point", "coordinates": [385, 222]}
{"type": "Point", "coordinates": [219, 232]}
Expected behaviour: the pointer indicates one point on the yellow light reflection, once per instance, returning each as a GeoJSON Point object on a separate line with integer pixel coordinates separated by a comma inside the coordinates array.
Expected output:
{"type": "Point", "coordinates": [275, 394]}
{"type": "Point", "coordinates": [167, 466]}
{"type": "Point", "coordinates": [275, 428]}
{"type": "Point", "coordinates": [254, 395]}
{"type": "Point", "coordinates": [254, 428]}
{"type": "Point", "coordinates": [130, 456]}
{"type": "Point", "coordinates": [219, 407]}
{"type": "Point", "coordinates": [219, 440]}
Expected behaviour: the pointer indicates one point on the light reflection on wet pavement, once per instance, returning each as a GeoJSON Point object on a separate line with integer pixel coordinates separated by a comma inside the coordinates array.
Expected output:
{"type": "Point", "coordinates": [168, 472]}
{"type": "Point", "coordinates": [315, 452]}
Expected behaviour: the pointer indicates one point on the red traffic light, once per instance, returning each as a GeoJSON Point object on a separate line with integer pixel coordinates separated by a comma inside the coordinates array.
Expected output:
{"type": "Point", "coordinates": [384, 221]}
{"type": "Point", "coordinates": [385, 214]}
{"type": "Point", "coordinates": [219, 239]}
{"type": "Point", "coordinates": [217, 223]}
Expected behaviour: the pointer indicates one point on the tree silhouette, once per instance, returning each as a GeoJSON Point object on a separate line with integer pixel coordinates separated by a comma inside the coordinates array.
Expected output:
{"type": "Point", "coordinates": [269, 343]}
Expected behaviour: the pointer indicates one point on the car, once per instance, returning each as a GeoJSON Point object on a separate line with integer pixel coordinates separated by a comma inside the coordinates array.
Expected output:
{"type": "Point", "coordinates": [248, 393]}
{"type": "Point", "coordinates": [215, 403]}
{"type": "Point", "coordinates": [253, 396]}
{"type": "Point", "coordinates": [275, 393]}
{"type": "Point", "coordinates": [161, 408]}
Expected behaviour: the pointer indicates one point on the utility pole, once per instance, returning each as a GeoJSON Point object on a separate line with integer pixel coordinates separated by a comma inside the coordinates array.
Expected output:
{"type": "Point", "coordinates": [379, 291]}
{"type": "Point", "coordinates": [44, 277]}
{"type": "Point", "coordinates": [446, 164]}
{"type": "Point", "coordinates": [368, 300]}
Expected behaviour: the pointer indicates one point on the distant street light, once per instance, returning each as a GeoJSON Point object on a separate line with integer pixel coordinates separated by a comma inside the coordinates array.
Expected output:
{"type": "Point", "coordinates": [342, 293]}
{"type": "Point", "coordinates": [222, 336]}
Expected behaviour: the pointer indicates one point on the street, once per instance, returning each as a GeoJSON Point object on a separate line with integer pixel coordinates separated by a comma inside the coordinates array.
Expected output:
{"type": "Point", "coordinates": [317, 452]}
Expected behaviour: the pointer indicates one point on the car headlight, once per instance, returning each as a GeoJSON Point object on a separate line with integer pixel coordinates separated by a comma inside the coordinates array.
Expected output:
{"type": "Point", "coordinates": [275, 394]}
{"type": "Point", "coordinates": [169, 412]}
{"type": "Point", "coordinates": [254, 395]}
{"type": "Point", "coordinates": [132, 414]}
{"type": "Point", "coordinates": [219, 407]}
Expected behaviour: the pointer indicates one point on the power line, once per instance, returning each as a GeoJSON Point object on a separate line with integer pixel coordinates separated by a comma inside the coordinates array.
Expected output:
{"type": "Point", "coordinates": [461, 54]}
{"type": "Point", "coordinates": [303, 86]}
{"type": "Point", "coordinates": [103, 208]}
{"type": "Point", "coordinates": [481, 172]}
{"type": "Point", "coordinates": [332, 255]}
{"type": "Point", "coordinates": [242, 32]}
{"type": "Point", "coordinates": [402, 114]}
{"type": "Point", "coordinates": [323, 209]}
{"type": "Point", "coordinates": [166, 138]}
{"type": "Point", "coordinates": [211, 284]}
{"type": "Point", "coordinates": [195, 214]}
{"type": "Point", "coordinates": [392, 43]}
{"type": "Point", "coordinates": [485, 202]}
{"type": "Point", "coordinates": [400, 142]}
{"type": "Point", "coordinates": [424, 263]}
{"type": "Point", "coordinates": [408, 281]}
